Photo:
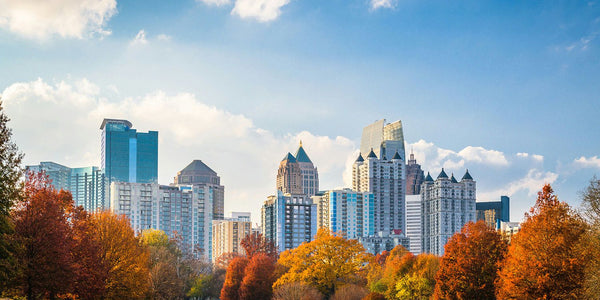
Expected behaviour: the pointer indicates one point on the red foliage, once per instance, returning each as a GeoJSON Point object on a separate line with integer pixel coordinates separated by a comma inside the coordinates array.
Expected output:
{"type": "Point", "coordinates": [259, 278]}
{"type": "Point", "coordinates": [233, 279]}
{"type": "Point", "coordinates": [255, 243]}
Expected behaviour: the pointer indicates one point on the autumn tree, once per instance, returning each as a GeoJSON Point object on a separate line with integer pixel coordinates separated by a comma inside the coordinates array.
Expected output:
{"type": "Point", "coordinates": [591, 244]}
{"type": "Point", "coordinates": [327, 262]}
{"type": "Point", "coordinates": [44, 235]}
{"type": "Point", "coordinates": [165, 281]}
{"type": "Point", "coordinates": [259, 277]}
{"type": "Point", "coordinates": [255, 243]}
{"type": "Point", "coordinates": [469, 266]}
{"type": "Point", "coordinates": [125, 257]}
{"type": "Point", "coordinates": [11, 172]}
{"type": "Point", "coordinates": [544, 260]}
{"type": "Point", "coordinates": [350, 292]}
{"type": "Point", "coordinates": [296, 291]}
{"type": "Point", "coordinates": [208, 286]}
{"type": "Point", "coordinates": [233, 279]}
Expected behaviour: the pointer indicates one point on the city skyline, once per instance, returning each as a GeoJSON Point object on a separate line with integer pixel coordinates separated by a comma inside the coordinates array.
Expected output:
{"type": "Point", "coordinates": [503, 89]}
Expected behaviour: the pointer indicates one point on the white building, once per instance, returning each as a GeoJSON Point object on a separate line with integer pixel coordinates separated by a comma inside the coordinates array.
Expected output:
{"type": "Point", "coordinates": [447, 205]}
{"type": "Point", "coordinates": [183, 211]}
{"type": "Point", "coordinates": [384, 177]}
{"type": "Point", "coordinates": [413, 223]}
{"type": "Point", "coordinates": [228, 234]}
{"type": "Point", "coordinates": [346, 211]}
{"type": "Point", "coordinates": [289, 220]}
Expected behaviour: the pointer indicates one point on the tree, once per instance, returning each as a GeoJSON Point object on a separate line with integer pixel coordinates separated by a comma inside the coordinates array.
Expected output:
{"type": "Point", "coordinates": [259, 277]}
{"type": "Point", "coordinates": [233, 279]}
{"type": "Point", "coordinates": [350, 292]}
{"type": "Point", "coordinates": [208, 286]}
{"type": "Point", "coordinates": [544, 260]}
{"type": "Point", "coordinates": [255, 243]}
{"type": "Point", "coordinates": [222, 262]}
{"type": "Point", "coordinates": [591, 211]}
{"type": "Point", "coordinates": [327, 262]}
{"type": "Point", "coordinates": [469, 266]}
{"type": "Point", "coordinates": [165, 280]}
{"type": "Point", "coordinates": [43, 232]}
{"type": "Point", "coordinates": [125, 257]}
{"type": "Point", "coordinates": [296, 291]}
{"type": "Point", "coordinates": [10, 174]}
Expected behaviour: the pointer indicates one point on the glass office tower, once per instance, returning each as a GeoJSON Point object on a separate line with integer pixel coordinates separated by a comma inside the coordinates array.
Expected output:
{"type": "Point", "coordinates": [128, 155]}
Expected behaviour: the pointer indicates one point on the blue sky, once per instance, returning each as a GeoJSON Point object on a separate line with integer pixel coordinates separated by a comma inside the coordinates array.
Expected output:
{"type": "Point", "coordinates": [478, 85]}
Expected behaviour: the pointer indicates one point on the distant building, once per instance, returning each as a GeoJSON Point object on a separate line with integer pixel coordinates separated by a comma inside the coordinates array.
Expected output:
{"type": "Point", "coordinates": [414, 176]}
{"type": "Point", "coordinates": [346, 211]}
{"type": "Point", "coordinates": [229, 232]}
{"type": "Point", "coordinates": [198, 173]}
{"type": "Point", "coordinates": [447, 205]}
{"type": "Point", "coordinates": [289, 220]}
{"type": "Point", "coordinates": [494, 212]}
{"type": "Point", "coordinates": [509, 229]}
{"type": "Point", "coordinates": [128, 155]}
{"type": "Point", "coordinates": [183, 211]}
{"type": "Point", "coordinates": [289, 176]}
{"type": "Point", "coordinates": [384, 178]}
{"type": "Point", "coordinates": [384, 139]}
{"type": "Point", "coordinates": [310, 175]}
{"type": "Point", "coordinates": [379, 243]}
{"type": "Point", "coordinates": [88, 185]}
{"type": "Point", "coordinates": [413, 223]}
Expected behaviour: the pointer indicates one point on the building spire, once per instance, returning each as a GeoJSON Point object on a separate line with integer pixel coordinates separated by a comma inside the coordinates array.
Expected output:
{"type": "Point", "coordinates": [300, 143]}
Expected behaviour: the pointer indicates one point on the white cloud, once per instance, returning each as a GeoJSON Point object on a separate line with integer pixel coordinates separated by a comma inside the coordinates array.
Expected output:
{"type": "Point", "coordinates": [139, 39]}
{"type": "Point", "coordinates": [40, 20]}
{"type": "Point", "coordinates": [60, 122]}
{"type": "Point", "coordinates": [482, 155]}
{"type": "Point", "coordinates": [376, 4]}
{"type": "Point", "coordinates": [215, 2]}
{"type": "Point", "coordinates": [261, 10]}
{"type": "Point", "coordinates": [591, 162]}
{"type": "Point", "coordinates": [532, 182]}
{"type": "Point", "coordinates": [535, 157]}
{"type": "Point", "coordinates": [163, 37]}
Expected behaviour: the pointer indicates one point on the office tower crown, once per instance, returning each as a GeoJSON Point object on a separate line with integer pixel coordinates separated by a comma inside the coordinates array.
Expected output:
{"type": "Point", "coordinates": [442, 174]}
{"type": "Point", "coordinates": [301, 155]}
{"type": "Point", "coordinates": [467, 176]}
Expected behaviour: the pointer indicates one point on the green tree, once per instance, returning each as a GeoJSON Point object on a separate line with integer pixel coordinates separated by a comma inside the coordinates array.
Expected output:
{"type": "Point", "coordinates": [591, 212]}
{"type": "Point", "coordinates": [10, 174]}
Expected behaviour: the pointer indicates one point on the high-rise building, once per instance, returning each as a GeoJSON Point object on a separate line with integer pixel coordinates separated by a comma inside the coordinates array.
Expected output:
{"type": "Point", "coordinates": [380, 242]}
{"type": "Point", "coordinates": [289, 220]}
{"type": "Point", "coordinates": [447, 205]}
{"type": "Point", "coordinates": [128, 155]}
{"type": "Point", "coordinates": [384, 139]}
{"type": "Point", "coordinates": [88, 185]}
{"type": "Point", "coordinates": [228, 234]}
{"type": "Point", "coordinates": [494, 212]}
{"type": "Point", "coordinates": [198, 173]}
{"type": "Point", "coordinates": [414, 176]}
{"type": "Point", "coordinates": [289, 176]}
{"type": "Point", "coordinates": [385, 179]}
{"type": "Point", "coordinates": [184, 211]}
{"type": "Point", "coordinates": [413, 223]}
{"type": "Point", "coordinates": [346, 211]}
{"type": "Point", "coordinates": [310, 175]}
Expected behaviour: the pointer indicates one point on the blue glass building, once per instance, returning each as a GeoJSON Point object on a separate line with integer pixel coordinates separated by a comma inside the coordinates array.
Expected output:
{"type": "Point", "coordinates": [128, 155]}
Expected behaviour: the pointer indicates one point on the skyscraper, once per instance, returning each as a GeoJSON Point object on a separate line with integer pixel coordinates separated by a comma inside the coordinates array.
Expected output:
{"type": "Point", "coordinates": [384, 178]}
{"type": "Point", "coordinates": [447, 205]}
{"type": "Point", "coordinates": [346, 211]}
{"type": "Point", "coordinates": [289, 220]}
{"type": "Point", "coordinates": [289, 176]}
{"type": "Point", "coordinates": [198, 173]}
{"type": "Point", "coordinates": [88, 185]}
{"type": "Point", "coordinates": [413, 223]}
{"type": "Point", "coordinates": [310, 175]}
{"type": "Point", "coordinates": [384, 139]}
{"type": "Point", "coordinates": [127, 155]}
{"type": "Point", "coordinates": [494, 212]}
{"type": "Point", "coordinates": [414, 176]}
{"type": "Point", "coordinates": [229, 232]}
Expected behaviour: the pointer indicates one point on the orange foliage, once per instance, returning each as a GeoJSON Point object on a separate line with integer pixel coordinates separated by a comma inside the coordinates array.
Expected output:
{"type": "Point", "coordinates": [470, 263]}
{"type": "Point", "coordinates": [259, 278]}
{"type": "Point", "coordinates": [233, 279]}
{"type": "Point", "coordinates": [255, 243]}
{"type": "Point", "coordinates": [544, 260]}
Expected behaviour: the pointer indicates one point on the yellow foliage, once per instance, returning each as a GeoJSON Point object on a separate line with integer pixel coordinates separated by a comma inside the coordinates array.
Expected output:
{"type": "Point", "coordinates": [326, 263]}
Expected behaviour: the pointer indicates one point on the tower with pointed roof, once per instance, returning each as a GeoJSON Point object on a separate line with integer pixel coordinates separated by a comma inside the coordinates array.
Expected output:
{"type": "Point", "coordinates": [385, 179]}
{"type": "Point", "coordinates": [310, 175]}
{"type": "Point", "coordinates": [447, 205]}
{"type": "Point", "coordinates": [289, 176]}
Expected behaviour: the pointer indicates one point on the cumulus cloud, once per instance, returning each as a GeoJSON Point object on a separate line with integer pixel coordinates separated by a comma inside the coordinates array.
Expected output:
{"type": "Point", "coordinates": [60, 122]}
{"type": "Point", "coordinates": [376, 4]}
{"type": "Point", "coordinates": [261, 10]}
{"type": "Point", "coordinates": [215, 2]}
{"type": "Point", "coordinates": [536, 157]}
{"type": "Point", "coordinates": [585, 162]}
{"type": "Point", "coordinates": [532, 182]}
{"type": "Point", "coordinates": [66, 18]}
